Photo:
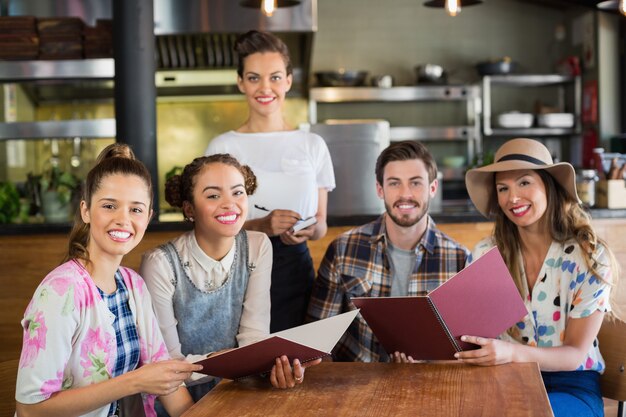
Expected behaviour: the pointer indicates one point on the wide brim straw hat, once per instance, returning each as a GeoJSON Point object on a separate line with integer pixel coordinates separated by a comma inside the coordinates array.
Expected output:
{"type": "Point", "coordinates": [517, 154]}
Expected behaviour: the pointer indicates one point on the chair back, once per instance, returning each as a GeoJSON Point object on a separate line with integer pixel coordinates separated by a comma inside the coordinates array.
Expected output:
{"type": "Point", "coordinates": [612, 338]}
{"type": "Point", "coordinates": [8, 377]}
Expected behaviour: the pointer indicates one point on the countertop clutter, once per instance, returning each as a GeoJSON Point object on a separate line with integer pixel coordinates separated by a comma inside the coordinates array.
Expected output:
{"type": "Point", "coordinates": [610, 189]}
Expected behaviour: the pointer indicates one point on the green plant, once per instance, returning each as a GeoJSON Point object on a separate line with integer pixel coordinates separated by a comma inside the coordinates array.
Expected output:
{"type": "Point", "coordinates": [64, 183]}
{"type": "Point", "coordinates": [9, 202]}
{"type": "Point", "coordinates": [176, 170]}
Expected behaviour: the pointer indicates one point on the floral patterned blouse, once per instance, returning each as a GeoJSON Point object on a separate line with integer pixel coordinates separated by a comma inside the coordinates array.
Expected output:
{"type": "Point", "coordinates": [69, 340]}
{"type": "Point", "coordinates": [565, 289]}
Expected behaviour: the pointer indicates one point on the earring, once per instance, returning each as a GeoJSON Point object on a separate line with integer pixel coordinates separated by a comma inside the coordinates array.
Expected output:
{"type": "Point", "coordinates": [190, 219]}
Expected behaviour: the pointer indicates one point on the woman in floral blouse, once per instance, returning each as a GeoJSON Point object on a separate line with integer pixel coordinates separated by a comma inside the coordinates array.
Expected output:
{"type": "Point", "coordinates": [562, 269]}
{"type": "Point", "coordinates": [90, 336]}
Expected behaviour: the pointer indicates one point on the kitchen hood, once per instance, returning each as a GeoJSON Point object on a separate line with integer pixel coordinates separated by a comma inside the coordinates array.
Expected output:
{"type": "Point", "coordinates": [194, 45]}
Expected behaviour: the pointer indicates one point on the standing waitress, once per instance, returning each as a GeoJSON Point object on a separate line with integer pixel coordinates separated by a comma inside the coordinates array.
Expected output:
{"type": "Point", "coordinates": [293, 168]}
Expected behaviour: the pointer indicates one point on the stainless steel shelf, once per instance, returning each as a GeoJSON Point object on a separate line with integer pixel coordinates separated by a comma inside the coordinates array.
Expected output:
{"type": "Point", "coordinates": [92, 128]}
{"type": "Point", "coordinates": [414, 93]}
{"type": "Point", "coordinates": [19, 71]}
{"type": "Point", "coordinates": [432, 133]}
{"type": "Point", "coordinates": [534, 131]}
{"type": "Point", "coordinates": [569, 92]}
{"type": "Point", "coordinates": [470, 95]}
{"type": "Point", "coordinates": [529, 80]}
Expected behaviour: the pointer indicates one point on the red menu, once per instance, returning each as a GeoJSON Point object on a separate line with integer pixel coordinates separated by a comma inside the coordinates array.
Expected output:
{"type": "Point", "coordinates": [480, 300]}
{"type": "Point", "coordinates": [305, 343]}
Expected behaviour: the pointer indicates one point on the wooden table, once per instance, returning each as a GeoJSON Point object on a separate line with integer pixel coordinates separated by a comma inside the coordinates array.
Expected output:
{"type": "Point", "coordinates": [381, 389]}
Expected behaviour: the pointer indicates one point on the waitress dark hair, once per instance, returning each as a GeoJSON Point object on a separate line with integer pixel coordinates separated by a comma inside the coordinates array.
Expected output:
{"type": "Point", "coordinates": [117, 158]}
{"type": "Point", "coordinates": [254, 41]}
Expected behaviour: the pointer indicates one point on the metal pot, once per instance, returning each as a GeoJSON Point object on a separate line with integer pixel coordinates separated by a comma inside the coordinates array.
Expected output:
{"type": "Point", "coordinates": [383, 81]}
{"type": "Point", "coordinates": [341, 78]}
{"type": "Point", "coordinates": [431, 74]}
{"type": "Point", "coordinates": [500, 67]}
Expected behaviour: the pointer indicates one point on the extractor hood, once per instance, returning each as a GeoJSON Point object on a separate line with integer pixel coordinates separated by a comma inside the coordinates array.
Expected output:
{"type": "Point", "coordinates": [194, 44]}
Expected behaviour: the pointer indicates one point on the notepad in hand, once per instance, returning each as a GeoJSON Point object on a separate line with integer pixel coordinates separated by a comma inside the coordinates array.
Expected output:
{"type": "Point", "coordinates": [309, 221]}
{"type": "Point", "coordinates": [480, 300]}
{"type": "Point", "coordinates": [305, 343]}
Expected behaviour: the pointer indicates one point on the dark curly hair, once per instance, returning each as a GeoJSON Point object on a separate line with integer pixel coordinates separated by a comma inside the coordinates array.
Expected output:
{"type": "Point", "coordinates": [254, 41]}
{"type": "Point", "coordinates": [179, 188]}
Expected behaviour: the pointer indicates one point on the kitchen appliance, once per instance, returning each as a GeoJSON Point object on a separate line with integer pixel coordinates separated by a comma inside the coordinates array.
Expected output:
{"type": "Point", "coordinates": [193, 45]}
{"type": "Point", "coordinates": [354, 146]}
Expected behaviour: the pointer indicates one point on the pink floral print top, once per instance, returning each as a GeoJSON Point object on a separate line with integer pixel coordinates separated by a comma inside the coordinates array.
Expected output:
{"type": "Point", "coordinates": [69, 340]}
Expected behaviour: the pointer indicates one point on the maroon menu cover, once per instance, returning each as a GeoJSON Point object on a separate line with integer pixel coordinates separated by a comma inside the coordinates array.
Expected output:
{"type": "Point", "coordinates": [256, 358]}
{"type": "Point", "coordinates": [480, 300]}
{"type": "Point", "coordinates": [305, 343]}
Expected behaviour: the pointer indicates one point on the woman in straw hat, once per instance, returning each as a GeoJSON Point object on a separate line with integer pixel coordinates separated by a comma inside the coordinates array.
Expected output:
{"type": "Point", "coordinates": [563, 271]}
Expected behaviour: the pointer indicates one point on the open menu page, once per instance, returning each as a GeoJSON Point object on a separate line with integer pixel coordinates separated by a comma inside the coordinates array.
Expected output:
{"type": "Point", "coordinates": [480, 300]}
{"type": "Point", "coordinates": [307, 342]}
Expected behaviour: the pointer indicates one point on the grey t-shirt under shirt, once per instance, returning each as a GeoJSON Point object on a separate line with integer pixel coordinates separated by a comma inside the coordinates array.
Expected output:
{"type": "Point", "coordinates": [402, 263]}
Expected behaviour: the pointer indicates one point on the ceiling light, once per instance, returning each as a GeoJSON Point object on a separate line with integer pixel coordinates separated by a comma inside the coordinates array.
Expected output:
{"type": "Point", "coordinates": [453, 7]}
{"type": "Point", "coordinates": [268, 6]}
{"type": "Point", "coordinates": [613, 5]}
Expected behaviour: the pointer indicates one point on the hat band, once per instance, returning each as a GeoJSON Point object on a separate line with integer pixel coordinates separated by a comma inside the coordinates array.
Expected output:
{"type": "Point", "coordinates": [521, 157]}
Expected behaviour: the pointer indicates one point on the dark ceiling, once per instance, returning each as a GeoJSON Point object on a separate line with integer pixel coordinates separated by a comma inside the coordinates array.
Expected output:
{"type": "Point", "coordinates": [564, 3]}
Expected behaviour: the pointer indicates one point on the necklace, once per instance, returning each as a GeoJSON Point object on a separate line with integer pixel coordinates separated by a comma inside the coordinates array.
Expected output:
{"type": "Point", "coordinates": [210, 284]}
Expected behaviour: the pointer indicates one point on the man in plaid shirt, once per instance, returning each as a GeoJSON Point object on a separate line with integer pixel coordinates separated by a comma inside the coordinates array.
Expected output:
{"type": "Point", "coordinates": [402, 253]}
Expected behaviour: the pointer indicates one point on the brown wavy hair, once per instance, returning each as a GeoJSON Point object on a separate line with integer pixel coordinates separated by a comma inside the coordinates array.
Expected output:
{"type": "Point", "coordinates": [254, 41]}
{"type": "Point", "coordinates": [404, 151]}
{"type": "Point", "coordinates": [565, 219]}
{"type": "Point", "coordinates": [179, 188]}
{"type": "Point", "coordinates": [117, 158]}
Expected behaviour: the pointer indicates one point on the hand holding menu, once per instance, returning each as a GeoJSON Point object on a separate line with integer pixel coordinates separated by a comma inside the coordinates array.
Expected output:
{"type": "Point", "coordinates": [480, 300]}
{"type": "Point", "coordinates": [305, 343]}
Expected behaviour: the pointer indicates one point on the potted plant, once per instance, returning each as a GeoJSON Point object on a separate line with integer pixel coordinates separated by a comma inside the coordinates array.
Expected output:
{"type": "Point", "coordinates": [57, 189]}
{"type": "Point", "coordinates": [9, 202]}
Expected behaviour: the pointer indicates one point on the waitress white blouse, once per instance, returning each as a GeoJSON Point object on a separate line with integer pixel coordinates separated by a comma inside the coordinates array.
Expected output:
{"type": "Point", "coordinates": [290, 167]}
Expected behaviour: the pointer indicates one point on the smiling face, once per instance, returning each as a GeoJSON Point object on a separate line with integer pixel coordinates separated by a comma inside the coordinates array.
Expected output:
{"type": "Point", "coordinates": [521, 196]}
{"type": "Point", "coordinates": [220, 202]}
{"type": "Point", "coordinates": [406, 191]}
{"type": "Point", "coordinates": [265, 82]}
{"type": "Point", "coordinates": [118, 215]}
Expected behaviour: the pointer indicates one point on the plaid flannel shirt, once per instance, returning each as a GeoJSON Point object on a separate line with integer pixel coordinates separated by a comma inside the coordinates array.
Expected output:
{"type": "Point", "coordinates": [356, 265]}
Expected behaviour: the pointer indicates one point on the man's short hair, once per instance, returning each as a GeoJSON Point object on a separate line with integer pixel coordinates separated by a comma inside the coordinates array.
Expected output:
{"type": "Point", "coordinates": [405, 151]}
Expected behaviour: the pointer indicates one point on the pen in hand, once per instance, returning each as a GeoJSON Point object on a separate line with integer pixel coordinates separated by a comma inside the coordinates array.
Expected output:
{"type": "Point", "coordinates": [268, 210]}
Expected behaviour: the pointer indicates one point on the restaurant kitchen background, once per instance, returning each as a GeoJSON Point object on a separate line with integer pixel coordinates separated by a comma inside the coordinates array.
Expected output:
{"type": "Point", "coordinates": [387, 39]}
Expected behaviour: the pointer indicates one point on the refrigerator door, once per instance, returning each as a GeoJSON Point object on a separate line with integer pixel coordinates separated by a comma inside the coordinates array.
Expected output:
{"type": "Point", "coordinates": [354, 146]}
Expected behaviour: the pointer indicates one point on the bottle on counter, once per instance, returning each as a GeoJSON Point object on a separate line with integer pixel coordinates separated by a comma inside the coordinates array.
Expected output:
{"type": "Point", "coordinates": [586, 186]}
{"type": "Point", "coordinates": [598, 162]}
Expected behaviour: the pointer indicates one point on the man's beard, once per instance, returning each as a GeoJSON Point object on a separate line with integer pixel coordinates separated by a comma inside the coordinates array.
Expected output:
{"type": "Point", "coordinates": [406, 221]}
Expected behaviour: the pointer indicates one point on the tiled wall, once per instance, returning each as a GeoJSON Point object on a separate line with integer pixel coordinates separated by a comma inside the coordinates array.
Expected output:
{"type": "Point", "coordinates": [396, 35]}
